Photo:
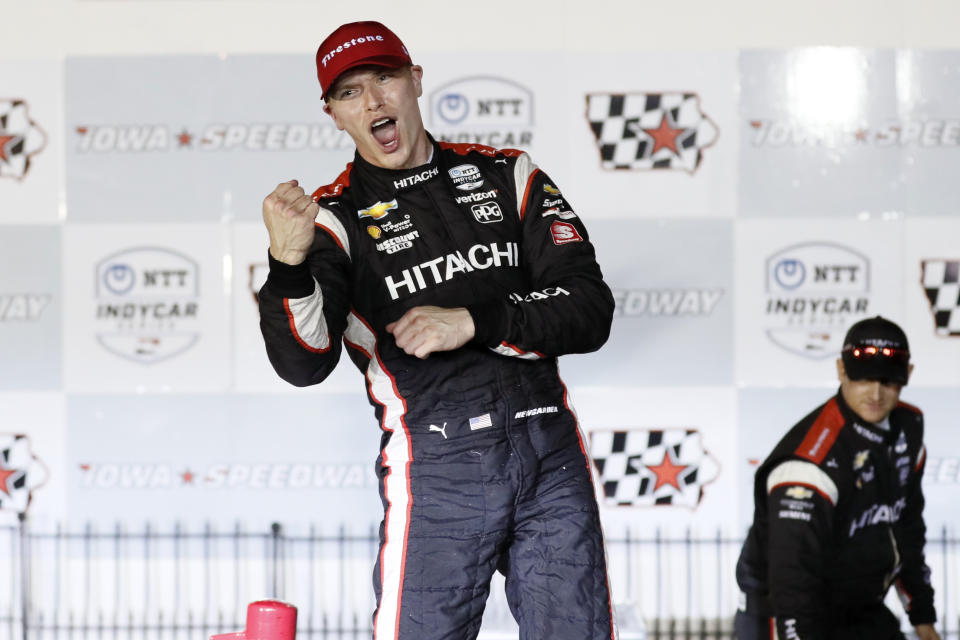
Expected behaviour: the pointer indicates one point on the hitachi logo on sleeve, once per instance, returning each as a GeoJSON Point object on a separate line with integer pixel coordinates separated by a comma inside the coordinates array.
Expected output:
{"type": "Point", "coordinates": [444, 268]}
{"type": "Point", "coordinates": [533, 296]}
{"type": "Point", "coordinates": [416, 178]}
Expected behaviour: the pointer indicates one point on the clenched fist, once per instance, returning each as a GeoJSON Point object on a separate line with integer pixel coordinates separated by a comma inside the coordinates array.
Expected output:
{"type": "Point", "coordinates": [289, 213]}
{"type": "Point", "coordinates": [423, 330]}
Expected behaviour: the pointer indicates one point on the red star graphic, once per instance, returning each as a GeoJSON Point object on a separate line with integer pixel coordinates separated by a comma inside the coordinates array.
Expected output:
{"type": "Point", "coordinates": [187, 477]}
{"type": "Point", "coordinates": [184, 138]}
{"type": "Point", "coordinates": [4, 141]}
{"type": "Point", "coordinates": [667, 471]}
{"type": "Point", "coordinates": [4, 476]}
{"type": "Point", "coordinates": [664, 136]}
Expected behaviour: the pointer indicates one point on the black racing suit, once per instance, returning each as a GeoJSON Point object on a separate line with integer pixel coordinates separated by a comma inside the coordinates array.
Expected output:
{"type": "Point", "coordinates": [838, 519]}
{"type": "Point", "coordinates": [482, 463]}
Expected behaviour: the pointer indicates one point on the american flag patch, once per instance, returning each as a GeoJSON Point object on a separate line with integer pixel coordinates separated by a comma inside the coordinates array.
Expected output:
{"type": "Point", "coordinates": [481, 422]}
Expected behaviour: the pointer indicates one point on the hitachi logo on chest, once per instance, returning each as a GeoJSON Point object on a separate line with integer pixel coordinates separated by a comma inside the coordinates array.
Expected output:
{"type": "Point", "coordinates": [444, 268]}
{"type": "Point", "coordinates": [409, 181]}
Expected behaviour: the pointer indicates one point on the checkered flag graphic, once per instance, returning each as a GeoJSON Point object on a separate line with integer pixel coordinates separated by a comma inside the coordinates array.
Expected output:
{"type": "Point", "coordinates": [649, 467]}
{"type": "Point", "coordinates": [941, 283]}
{"type": "Point", "coordinates": [650, 130]}
{"type": "Point", "coordinates": [20, 472]}
{"type": "Point", "coordinates": [20, 139]}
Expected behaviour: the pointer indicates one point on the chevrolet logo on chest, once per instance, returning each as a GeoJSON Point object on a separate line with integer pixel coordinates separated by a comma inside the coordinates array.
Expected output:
{"type": "Point", "coordinates": [378, 210]}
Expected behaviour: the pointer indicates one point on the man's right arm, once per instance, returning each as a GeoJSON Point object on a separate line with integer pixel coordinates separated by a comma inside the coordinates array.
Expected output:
{"type": "Point", "coordinates": [800, 502]}
{"type": "Point", "coordinates": [305, 300]}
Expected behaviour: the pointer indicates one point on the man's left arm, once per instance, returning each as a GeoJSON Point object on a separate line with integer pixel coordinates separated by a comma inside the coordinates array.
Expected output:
{"type": "Point", "coordinates": [568, 307]}
{"type": "Point", "coordinates": [913, 584]}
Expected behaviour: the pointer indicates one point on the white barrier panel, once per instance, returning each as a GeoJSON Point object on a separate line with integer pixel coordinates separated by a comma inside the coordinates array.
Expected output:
{"type": "Point", "coordinates": [672, 281]}
{"type": "Point", "coordinates": [222, 459]}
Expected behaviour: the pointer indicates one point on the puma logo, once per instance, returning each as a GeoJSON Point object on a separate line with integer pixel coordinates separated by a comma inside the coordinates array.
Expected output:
{"type": "Point", "coordinates": [442, 429]}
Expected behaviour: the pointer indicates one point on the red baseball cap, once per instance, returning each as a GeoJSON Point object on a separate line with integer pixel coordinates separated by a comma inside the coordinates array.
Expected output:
{"type": "Point", "coordinates": [355, 44]}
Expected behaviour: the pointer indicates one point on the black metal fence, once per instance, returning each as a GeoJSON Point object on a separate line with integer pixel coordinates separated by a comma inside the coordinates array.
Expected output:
{"type": "Point", "coordinates": [173, 583]}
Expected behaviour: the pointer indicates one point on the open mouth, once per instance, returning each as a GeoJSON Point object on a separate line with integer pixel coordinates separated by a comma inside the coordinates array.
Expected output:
{"type": "Point", "coordinates": [385, 132]}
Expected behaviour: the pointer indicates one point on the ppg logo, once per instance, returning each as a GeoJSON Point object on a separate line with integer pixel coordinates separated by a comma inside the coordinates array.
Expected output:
{"type": "Point", "coordinates": [487, 212]}
{"type": "Point", "coordinates": [453, 107]}
{"type": "Point", "coordinates": [790, 273]}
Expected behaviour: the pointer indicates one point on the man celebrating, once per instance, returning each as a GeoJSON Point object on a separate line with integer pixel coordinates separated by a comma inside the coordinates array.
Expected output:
{"type": "Point", "coordinates": [455, 275]}
{"type": "Point", "coordinates": [838, 515]}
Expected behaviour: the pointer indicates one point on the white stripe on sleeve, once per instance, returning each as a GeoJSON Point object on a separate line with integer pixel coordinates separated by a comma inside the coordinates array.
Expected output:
{"type": "Point", "coordinates": [521, 173]}
{"type": "Point", "coordinates": [329, 221]}
{"type": "Point", "coordinates": [793, 472]}
{"type": "Point", "coordinates": [307, 321]}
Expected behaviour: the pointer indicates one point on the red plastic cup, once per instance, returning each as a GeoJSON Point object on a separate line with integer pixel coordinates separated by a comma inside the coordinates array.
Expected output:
{"type": "Point", "coordinates": [266, 620]}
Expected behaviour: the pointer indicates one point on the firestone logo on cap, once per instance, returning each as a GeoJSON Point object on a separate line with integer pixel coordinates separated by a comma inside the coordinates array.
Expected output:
{"type": "Point", "coordinates": [346, 45]}
{"type": "Point", "coordinates": [355, 44]}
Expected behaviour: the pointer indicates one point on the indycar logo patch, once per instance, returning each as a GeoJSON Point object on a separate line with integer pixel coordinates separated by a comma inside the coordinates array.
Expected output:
{"type": "Point", "coordinates": [466, 177]}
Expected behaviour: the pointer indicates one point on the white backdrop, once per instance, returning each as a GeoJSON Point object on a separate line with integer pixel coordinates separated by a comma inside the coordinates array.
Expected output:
{"type": "Point", "coordinates": [154, 128]}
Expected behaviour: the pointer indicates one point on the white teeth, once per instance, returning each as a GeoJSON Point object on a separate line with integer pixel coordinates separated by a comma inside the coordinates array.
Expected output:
{"type": "Point", "coordinates": [381, 122]}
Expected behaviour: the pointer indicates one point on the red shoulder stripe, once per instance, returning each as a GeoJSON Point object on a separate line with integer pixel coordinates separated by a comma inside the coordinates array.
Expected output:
{"type": "Point", "coordinates": [909, 407]}
{"type": "Point", "coordinates": [822, 434]}
{"type": "Point", "coordinates": [463, 148]}
{"type": "Point", "coordinates": [335, 188]}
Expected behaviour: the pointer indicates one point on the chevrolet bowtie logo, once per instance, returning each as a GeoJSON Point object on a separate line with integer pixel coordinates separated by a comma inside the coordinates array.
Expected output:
{"type": "Point", "coordinates": [378, 210]}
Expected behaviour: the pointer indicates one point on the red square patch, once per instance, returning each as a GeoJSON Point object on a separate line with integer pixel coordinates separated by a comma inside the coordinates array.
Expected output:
{"type": "Point", "coordinates": [563, 233]}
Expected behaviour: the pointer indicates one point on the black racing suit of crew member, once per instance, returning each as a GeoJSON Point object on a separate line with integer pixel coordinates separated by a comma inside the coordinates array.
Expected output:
{"type": "Point", "coordinates": [838, 519]}
{"type": "Point", "coordinates": [482, 463]}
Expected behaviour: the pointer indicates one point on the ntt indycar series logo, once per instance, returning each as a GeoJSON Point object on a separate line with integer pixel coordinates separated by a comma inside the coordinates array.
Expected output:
{"type": "Point", "coordinates": [147, 304]}
{"type": "Point", "coordinates": [483, 110]}
{"type": "Point", "coordinates": [814, 290]}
